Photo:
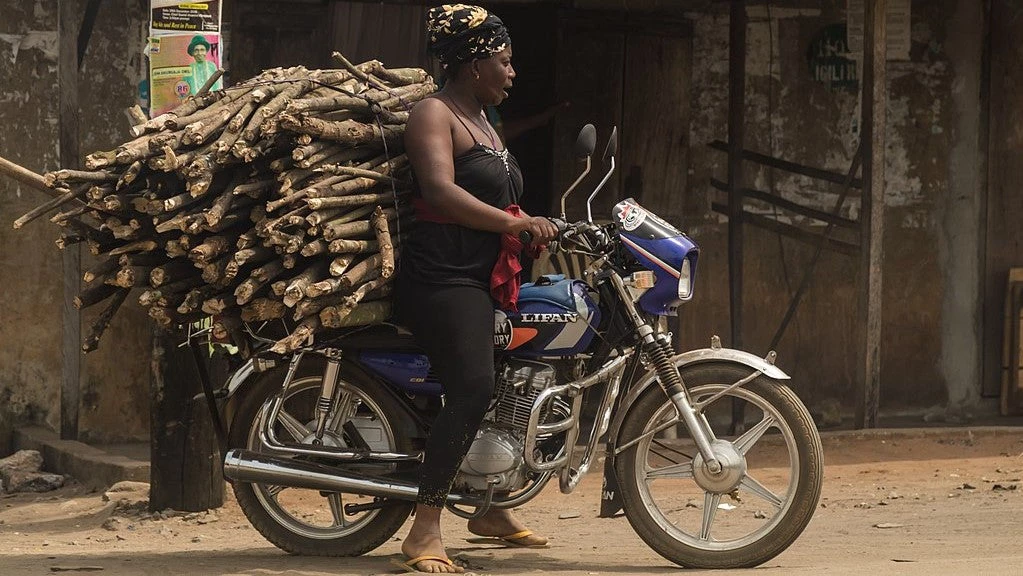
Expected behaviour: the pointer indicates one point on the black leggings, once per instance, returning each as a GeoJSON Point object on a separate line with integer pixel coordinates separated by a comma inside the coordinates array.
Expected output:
{"type": "Point", "coordinates": [455, 327]}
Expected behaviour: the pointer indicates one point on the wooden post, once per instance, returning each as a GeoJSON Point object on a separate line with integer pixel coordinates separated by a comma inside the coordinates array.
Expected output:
{"type": "Point", "coordinates": [185, 470]}
{"type": "Point", "coordinates": [736, 125]}
{"type": "Point", "coordinates": [872, 211]}
{"type": "Point", "coordinates": [85, 32]}
{"type": "Point", "coordinates": [736, 134]}
{"type": "Point", "coordinates": [68, 22]}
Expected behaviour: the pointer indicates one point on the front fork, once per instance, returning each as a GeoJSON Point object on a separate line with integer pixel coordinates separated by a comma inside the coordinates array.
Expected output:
{"type": "Point", "coordinates": [658, 352]}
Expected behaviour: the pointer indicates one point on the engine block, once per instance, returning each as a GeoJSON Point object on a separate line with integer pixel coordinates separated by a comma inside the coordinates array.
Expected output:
{"type": "Point", "coordinates": [520, 383]}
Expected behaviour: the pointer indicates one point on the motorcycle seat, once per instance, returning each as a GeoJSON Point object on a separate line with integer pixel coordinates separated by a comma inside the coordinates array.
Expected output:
{"type": "Point", "coordinates": [552, 288]}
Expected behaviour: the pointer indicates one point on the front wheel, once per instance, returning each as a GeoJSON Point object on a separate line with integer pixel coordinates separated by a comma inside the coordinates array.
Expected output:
{"type": "Point", "coordinates": [755, 507]}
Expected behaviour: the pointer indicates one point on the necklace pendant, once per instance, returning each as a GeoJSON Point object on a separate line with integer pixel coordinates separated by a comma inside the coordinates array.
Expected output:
{"type": "Point", "coordinates": [502, 154]}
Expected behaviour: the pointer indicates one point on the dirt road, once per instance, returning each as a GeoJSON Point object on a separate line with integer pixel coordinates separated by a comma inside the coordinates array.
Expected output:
{"type": "Point", "coordinates": [913, 502]}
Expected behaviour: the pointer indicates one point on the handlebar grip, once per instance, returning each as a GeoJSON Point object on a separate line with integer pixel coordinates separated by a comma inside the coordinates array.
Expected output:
{"type": "Point", "coordinates": [560, 224]}
{"type": "Point", "coordinates": [527, 238]}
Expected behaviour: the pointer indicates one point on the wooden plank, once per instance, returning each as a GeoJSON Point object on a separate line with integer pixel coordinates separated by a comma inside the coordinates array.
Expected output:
{"type": "Point", "coordinates": [596, 93]}
{"type": "Point", "coordinates": [85, 32]}
{"type": "Point", "coordinates": [1003, 236]}
{"type": "Point", "coordinates": [789, 231]}
{"type": "Point", "coordinates": [655, 138]}
{"type": "Point", "coordinates": [804, 284]}
{"type": "Point", "coordinates": [269, 34]}
{"type": "Point", "coordinates": [872, 213]}
{"type": "Point", "coordinates": [71, 335]}
{"type": "Point", "coordinates": [1010, 388]}
{"type": "Point", "coordinates": [808, 171]}
{"type": "Point", "coordinates": [736, 132]}
{"type": "Point", "coordinates": [790, 206]}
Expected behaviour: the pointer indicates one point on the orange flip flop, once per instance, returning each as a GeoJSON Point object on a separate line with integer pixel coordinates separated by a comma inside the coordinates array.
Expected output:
{"type": "Point", "coordinates": [412, 565]}
{"type": "Point", "coordinates": [517, 540]}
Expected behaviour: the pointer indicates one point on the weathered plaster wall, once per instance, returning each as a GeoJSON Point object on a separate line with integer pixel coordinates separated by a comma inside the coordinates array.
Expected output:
{"type": "Point", "coordinates": [960, 213]}
{"type": "Point", "coordinates": [930, 348]}
{"type": "Point", "coordinates": [114, 385]}
{"type": "Point", "coordinates": [935, 193]}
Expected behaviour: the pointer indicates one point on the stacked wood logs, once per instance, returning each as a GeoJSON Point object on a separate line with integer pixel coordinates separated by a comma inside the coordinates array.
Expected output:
{"type": "Point", "coordinates": [283, 197]}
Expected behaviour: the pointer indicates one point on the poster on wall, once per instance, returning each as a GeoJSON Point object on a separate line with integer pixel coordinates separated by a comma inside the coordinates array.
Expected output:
{"type": "Point", "coordinates": [898, 19]}
{"type": "Point", "coordinates": [179, 65]}
{"type": "Point", "coordinates": [175, 17]}
{"type": "Point", "coordinates": [829, 59]}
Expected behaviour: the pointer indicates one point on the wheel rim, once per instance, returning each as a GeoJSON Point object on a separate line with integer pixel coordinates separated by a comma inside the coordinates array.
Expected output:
{"type": "Point", "coordinates": [308, 513]}
{"type": "Point", "coordinates": [698, 508]}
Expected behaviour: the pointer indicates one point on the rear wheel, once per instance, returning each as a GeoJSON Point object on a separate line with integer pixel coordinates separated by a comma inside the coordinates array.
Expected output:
{"type": "Point", "coordinates": [310, 522]}
{"type": "Point", "coordinates": [755, 507]}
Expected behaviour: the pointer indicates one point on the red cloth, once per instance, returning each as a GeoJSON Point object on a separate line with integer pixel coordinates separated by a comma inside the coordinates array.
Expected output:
{"type": "Point", "coordinates": [504, 280]}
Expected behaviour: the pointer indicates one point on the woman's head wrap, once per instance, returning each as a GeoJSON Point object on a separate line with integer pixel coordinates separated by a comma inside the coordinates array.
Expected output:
{"type": "Point", "coordinates": [463, 33]}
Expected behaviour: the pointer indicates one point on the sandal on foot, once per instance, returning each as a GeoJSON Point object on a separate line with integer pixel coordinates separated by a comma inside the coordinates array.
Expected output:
{"type": "Point", "coordinates": [412, 564]}
{"type": "Point", "coordinates": [523, 539]}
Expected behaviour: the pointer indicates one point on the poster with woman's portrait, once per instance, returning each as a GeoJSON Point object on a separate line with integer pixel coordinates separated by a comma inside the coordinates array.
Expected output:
{"type": "Point", "coordinates": [179, 66]}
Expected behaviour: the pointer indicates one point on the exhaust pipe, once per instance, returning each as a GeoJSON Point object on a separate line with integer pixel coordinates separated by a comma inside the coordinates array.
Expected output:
{"type": "Point", "coordinates": [256, 468]}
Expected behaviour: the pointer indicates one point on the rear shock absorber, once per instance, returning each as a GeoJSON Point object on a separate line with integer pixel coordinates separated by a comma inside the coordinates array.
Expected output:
{"type": "Point", "coordinates": [328, 391]}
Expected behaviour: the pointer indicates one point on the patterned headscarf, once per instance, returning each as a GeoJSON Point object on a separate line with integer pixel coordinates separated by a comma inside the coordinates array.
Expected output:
{"type": "Point", "coordinates": [463, 33]}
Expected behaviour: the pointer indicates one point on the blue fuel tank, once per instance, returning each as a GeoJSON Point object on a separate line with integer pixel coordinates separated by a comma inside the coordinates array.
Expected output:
{"type": "Point", "coordinates": [556, 317]}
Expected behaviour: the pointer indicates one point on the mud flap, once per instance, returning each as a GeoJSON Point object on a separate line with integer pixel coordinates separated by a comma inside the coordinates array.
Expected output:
{"type": "Point", "coordinates": [610, 500]}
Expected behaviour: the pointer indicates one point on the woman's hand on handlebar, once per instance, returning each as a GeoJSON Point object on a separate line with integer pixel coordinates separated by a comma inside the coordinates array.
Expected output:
{"type": "Point", "coordinates": [535, 230]}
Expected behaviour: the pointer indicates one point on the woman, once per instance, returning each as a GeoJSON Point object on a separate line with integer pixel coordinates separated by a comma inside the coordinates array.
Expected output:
{"type": "Point", "coordinates": [465, 180]}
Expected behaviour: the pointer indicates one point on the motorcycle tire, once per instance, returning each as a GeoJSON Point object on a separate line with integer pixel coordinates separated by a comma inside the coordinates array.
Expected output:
{"type": "Point", "coordinates": [261, 503]}
{"type": "Point", "coordinates": [668, 515]}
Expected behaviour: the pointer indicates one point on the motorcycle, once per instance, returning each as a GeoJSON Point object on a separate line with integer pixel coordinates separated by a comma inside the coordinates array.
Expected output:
{"type": "Point", "coordinates": [344, 420]}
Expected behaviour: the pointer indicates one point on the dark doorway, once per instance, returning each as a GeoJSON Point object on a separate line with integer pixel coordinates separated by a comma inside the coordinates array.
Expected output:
{"type": "Point", "coordinates": [533, 29]}
{"type": "Point", "coordinates": [630, 71]}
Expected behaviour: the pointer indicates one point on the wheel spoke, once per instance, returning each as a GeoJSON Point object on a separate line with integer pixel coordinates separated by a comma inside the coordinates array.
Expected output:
{"type": "Point", "coordinates": [751, 484]}
{"type": "Point", "coordinates": [750, 437]}
{"type": "Point", "coordinates": [273, 490]}
{"type": "Point", "coordinates": [336, 509]}
{"type": "Point", "coordinates": [294, 427]}
{"type": "Point", "coordinates": [683, 470]}
{"type": "Point", "coordinates": [665, 448]}
{"type": "Point", "coordinates": [710, 508]}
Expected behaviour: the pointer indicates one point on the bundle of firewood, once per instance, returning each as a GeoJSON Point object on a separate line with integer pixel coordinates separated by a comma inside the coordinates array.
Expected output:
{"type": "Point", "coordinates": [282, 197]}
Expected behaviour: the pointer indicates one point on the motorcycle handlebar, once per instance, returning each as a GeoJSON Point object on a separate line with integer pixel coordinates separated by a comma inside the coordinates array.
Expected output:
{"type": "Point", "coordinates": [526, 238]}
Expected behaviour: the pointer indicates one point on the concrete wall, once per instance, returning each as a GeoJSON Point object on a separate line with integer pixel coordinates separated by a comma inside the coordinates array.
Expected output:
{"type": "Point", "coordinates": [931, 317]}
{"type": "Point", "coordinates": [931, 351]}
{"type": "Point", "coordinates": [114, 383]}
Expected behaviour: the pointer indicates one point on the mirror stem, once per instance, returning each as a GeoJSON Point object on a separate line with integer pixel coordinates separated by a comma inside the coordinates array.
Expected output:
{"type": "Point", "coordinates": [572, 187]}
{"type": "Point", "coordinates": [589, 214]}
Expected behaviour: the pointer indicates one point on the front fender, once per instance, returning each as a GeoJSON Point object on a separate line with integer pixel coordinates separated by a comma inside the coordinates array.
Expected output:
{"type": "Point", "coordinates": [701, 356]}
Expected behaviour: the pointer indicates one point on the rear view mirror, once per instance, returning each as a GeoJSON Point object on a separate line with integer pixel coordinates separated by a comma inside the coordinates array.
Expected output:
{"type": "Point", "coordinates": [612, 145]}
{"type": "Point", "coordinates": [586, 142]}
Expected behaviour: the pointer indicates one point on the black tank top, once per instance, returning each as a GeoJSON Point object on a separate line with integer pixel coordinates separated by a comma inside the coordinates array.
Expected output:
{"type": "Point", "coordinates": [453, 254]}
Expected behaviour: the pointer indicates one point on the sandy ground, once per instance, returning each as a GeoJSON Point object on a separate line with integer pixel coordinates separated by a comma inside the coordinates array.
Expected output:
{"type": "Point", "coordinates": [947, 502]}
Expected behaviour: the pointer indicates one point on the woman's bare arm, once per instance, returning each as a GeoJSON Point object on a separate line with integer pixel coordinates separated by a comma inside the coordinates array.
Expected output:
{"type": "Point", "coordinates": [430, 150]}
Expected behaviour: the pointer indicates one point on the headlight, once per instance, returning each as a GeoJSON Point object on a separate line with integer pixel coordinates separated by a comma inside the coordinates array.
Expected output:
{"type": "Point", "coordinates": [685, 281]}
